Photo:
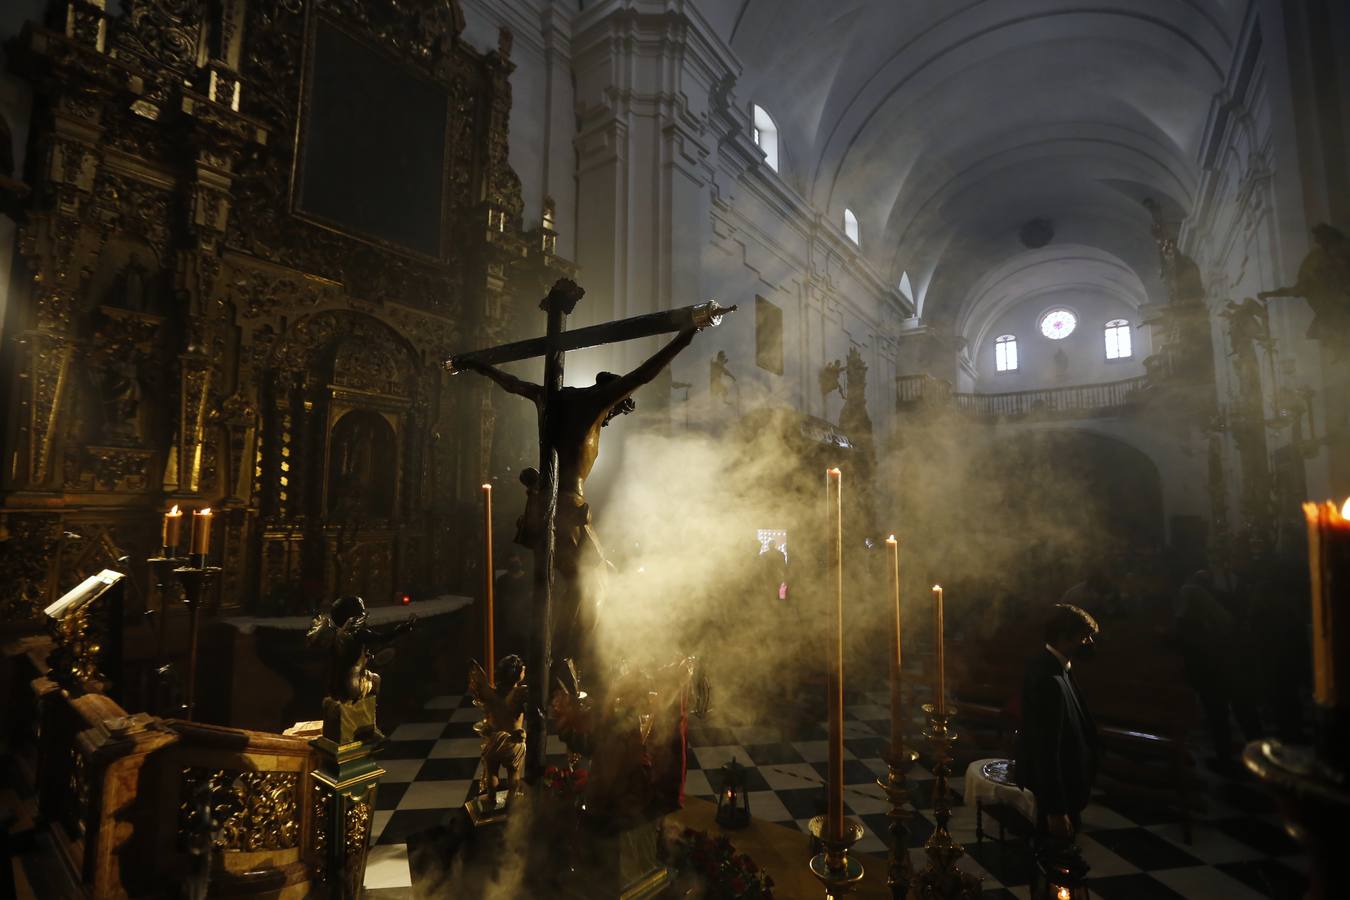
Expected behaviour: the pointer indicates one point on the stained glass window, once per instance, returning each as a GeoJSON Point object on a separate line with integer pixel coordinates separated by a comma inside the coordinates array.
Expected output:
{"type": "Point", "coordinates": [1118, 340]}
{"type": "Point", "coordinates": [1058, 324]}
{"type": "Point", "coordinates": [1005, 353]}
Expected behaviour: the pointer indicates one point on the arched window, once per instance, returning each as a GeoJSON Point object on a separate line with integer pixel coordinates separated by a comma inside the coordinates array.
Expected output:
{"type": "Point", "coordinates": [1118, 339]}
{"type": "Point", "coordinates": [851, 227]}
{"type": "Point", "coordinates": [765, 134]}
{"type": "Point", "coordinates": [1005, 353]}
{"type": "Point", "coordinates": [906, 289]}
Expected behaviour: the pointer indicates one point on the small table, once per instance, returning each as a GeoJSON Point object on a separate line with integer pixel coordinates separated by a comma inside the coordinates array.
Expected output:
{"type": "Point", "coordinates": [991, 782]}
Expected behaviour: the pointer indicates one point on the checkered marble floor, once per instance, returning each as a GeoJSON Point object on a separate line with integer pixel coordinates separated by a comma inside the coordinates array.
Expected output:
{"type": "Point", "coordinates": [1239, 850]}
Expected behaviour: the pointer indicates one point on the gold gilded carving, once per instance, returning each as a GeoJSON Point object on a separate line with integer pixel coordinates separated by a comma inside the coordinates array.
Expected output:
{"type": "Point", "coordinates": [164, 33]}
{"type": "Point", "coordinates": [255, 810]}
{"type": "Point", "coordinates": [78, 784]}
{"type": "Point", "coordinates": [95, 468]}
{"type": "Point", "coordinates": [78, 645]}
{"type": "Point", "coordinates": [135, 207]}
{"type": "Point", "coordinates": [196, 391]}
{"type": "Point", "coordinates": [46, 369]}
{"type": "Point", "coordinates": [358, 826]}
{"type": "Point", "coordinates": [350, 333]}
{"type": "Point", "coordinates": [423, 33]}
{"type": "Point", "coordinates": [320, 819]}
{"type": "Point", "coordinates": [258, 292]}
{"type": "Point", "coordinates": [28, 544]}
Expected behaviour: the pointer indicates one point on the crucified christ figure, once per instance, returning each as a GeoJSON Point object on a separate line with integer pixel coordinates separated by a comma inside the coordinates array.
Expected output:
{"type": "Point", "coordinates": [574, 424]}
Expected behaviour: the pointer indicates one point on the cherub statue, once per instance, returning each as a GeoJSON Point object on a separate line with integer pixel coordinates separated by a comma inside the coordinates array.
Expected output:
{"type": "Point", "coordinates": [349, 707]}
{"type": "Point", "coordinates": [503, 725]}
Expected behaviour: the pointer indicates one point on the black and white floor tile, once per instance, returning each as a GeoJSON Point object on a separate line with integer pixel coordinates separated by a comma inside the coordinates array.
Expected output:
{"type": "Point", "coordinates": [1238, 851]}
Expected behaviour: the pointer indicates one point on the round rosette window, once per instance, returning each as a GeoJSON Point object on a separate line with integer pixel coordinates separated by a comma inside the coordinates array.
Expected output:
{"type": "Point", "coordinates": [1058, 324]}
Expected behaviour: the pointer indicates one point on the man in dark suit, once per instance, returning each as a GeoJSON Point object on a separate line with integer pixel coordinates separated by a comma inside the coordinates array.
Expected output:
{"type": "Point", "coordinates": [1057, 746]}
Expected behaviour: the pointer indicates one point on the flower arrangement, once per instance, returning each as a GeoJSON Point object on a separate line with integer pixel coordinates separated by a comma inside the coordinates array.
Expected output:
{"type": "Point", "coordinates": [725, 873]}
{"type": "Point", "coordinates": [567, 784]}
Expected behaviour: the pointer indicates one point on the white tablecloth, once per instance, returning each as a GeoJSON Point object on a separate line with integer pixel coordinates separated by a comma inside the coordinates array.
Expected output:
{"type": "Point", "coordinates": [979, 787]}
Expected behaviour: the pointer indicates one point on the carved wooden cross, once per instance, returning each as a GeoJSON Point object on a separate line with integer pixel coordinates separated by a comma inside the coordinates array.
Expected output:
{"type": "Point", "coordinates": [553, 346]}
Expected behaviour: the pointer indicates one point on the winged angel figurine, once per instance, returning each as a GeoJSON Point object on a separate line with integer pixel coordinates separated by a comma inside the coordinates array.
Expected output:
{"type": "Point", "coordinates": [349, 707]}
{"type": "Point", "coordinates": [503, 727]}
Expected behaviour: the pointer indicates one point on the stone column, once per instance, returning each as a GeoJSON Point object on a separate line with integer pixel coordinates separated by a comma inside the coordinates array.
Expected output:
{"type": "Point", "coordinates": [647, 79]}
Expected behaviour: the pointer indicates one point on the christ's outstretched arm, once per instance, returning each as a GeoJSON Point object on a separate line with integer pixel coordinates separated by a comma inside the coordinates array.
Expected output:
{"type": "Point", "coordinates": [620, 388]}
{"type": "Point", "coordinates": [509, 383]}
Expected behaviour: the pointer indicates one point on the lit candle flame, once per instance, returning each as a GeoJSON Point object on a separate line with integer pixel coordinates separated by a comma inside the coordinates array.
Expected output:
{"type": "Point", "coordinates": [1345, 509]}
{"type": "Point", "coordinates": [1063, 894]}
{"type": "Point", "coordinates": [174, 511]}
{"type": "Point", "coordinates": [891, 539]}
{"type": "Point", "coordinates": [936, 588]}
{"type": "Point", "coordinates": [833, 473]}
{"type": "Point", "coordinates": [204, 512]}
{"type": "Point", "coordinates": [487, 487]}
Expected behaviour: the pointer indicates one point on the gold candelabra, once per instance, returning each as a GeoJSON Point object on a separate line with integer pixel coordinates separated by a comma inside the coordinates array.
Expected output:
{"type": "Point", "coordinates": [941, 879]}
{"type": "Point", "coordinates": [899, 869]}
{"type": "Point", "coordinates": [832, 866]}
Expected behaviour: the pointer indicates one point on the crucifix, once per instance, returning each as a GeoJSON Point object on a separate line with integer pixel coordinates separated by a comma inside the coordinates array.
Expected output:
{"type": "Point", "coordinates": [557, 521]}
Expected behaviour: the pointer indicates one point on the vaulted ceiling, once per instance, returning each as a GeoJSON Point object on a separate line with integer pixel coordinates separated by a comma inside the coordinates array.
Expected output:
{"type": "Point", "coordinates": [947, 125]}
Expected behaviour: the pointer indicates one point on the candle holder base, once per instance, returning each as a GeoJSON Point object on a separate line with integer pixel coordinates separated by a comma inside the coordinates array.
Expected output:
{"type": "Point", "coordinates": [941, 879]}
{"type": "Point", "coordinates": [833, 867]}
{"type": "Point", "coordinates": [1314, 799]}
{"type": "Point", "coordinates": [899, 869]}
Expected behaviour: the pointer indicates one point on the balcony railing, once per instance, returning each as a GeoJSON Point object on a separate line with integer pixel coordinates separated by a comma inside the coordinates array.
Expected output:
{"type": "Point", "coordinates": [1085, 400]}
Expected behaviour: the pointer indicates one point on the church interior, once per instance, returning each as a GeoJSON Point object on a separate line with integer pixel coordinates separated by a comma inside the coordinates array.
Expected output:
{"type": "Point", "coordinates": [674, 448]}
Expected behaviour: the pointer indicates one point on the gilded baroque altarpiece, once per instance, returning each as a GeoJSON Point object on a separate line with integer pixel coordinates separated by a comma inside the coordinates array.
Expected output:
{"type": "Point", "coordinates": [213, 320]}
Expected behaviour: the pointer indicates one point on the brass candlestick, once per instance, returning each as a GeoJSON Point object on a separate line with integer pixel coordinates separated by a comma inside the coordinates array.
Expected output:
{"type": "Point", "coordinates": [941, 878]}
{"type": "Point", "coordinates": [161, 569]}
{"type": "Point", "coordinates": [194, 579]}
{"type": "Point", "coordinates": [833, 867]}
{"type": "Point", "coordinates": [899, 869]}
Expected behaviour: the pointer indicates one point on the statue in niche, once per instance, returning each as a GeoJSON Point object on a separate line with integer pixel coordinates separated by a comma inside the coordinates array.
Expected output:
{"type": "Point", "coordinates": [830, 375]}
{"type": "Point", "coordinates": [130, 289]}
{"type": "Point", "coordinates": [120, 392]}
{"type": "Point", "coordinates": [1324, 281]}
{"type": "Point", "coordinates": [503, 726]}
{"type": "Point", "coordinates": [363, 466]}
{"type": "Point", "coordinates": [349, 706]}
{"type": "Point", "coordinates": [718, 372]}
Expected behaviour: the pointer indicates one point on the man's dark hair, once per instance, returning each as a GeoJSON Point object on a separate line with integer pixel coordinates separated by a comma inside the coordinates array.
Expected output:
{"type": "Point", "coordinates": [1068, 622]}
{"type": "Point", "coordinates": [508, 671]}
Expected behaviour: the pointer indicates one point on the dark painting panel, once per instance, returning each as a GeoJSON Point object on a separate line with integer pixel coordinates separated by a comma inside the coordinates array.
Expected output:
{"type": "Point", "coordinates": [372, 154]}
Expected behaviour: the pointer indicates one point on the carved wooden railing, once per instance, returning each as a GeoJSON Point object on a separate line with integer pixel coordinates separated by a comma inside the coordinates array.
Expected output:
{"type": "Point", "coordinates": [124, 797]}
{"type": "Point", "coordinates": [1081, 400]}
